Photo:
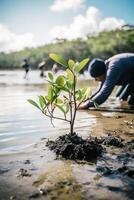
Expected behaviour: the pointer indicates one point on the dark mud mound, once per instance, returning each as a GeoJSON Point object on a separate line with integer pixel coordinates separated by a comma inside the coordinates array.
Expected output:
{"type": "Point", "coordinates": [123, 170]}
{"type": "Point", "coordinates": [71, 146]}
{"type": "Point", "coordinates": [127, 170]}
{"type": "Point", "coordinates": [111, 141]}
{"type": "Point", "coordinates": [125, 158]}
{"type": "Point", "coordinates": [129, 146]}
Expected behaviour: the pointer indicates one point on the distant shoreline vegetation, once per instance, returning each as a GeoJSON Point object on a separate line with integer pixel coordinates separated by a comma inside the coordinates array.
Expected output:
{"type": "Point", "coordinates": [104, 45]}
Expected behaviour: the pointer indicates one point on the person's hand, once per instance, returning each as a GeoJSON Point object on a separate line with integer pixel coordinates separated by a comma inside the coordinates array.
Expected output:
{"type": "Point", "coordinates": [86, 105]}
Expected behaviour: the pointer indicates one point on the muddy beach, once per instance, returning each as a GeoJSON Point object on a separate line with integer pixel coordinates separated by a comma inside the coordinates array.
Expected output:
{"type": "Point", "coordinates": [38, 173]}
{"type": "Point", "coordinates": [29, 169]}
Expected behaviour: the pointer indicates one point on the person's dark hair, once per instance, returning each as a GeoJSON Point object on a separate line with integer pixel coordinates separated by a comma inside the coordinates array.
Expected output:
{"type": "Point", "coordinates": [97, 67]}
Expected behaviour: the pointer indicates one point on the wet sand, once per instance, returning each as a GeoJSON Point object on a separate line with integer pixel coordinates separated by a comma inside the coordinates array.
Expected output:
{"type": "Point", "coordinates": [37, 174]}
{"type": "Point", "coordinates": [32, 171]}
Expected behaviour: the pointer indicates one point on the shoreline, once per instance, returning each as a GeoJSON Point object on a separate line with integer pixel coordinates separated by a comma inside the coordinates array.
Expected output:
{"type": "Point", "coordinates": [37, 174]}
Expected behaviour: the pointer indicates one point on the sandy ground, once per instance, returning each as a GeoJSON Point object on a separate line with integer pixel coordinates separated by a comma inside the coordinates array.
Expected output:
{"type": "Point", "coordinates": [37, 174]}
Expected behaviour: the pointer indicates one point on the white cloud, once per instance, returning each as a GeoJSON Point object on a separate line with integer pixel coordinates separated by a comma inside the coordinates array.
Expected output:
{"type": "Point", "coordinates": [61, 5]}
{"type": "Point", "coordinates": [12, 42]}
{"type": "Point", "coordinates": [90, 23]}
{"type": "Point", "coordinates": [111, 23]}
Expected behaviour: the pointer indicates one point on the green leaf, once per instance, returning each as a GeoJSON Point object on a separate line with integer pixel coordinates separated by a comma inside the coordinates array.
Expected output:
{"type": "Point", "coordinates": [86, 92]}
{"type": "Point", "coordinates": [56, 89]}
{"type": "Point", "coordinates": [79, 95]}
{"type": "Point", "coordinates": [60, 81]}
{"type": "Point", "coordinates": [83, 90]}
{"type": "Point", "coordinates": [50, 75]}
{"type": "Point", "coordinates": [33, 103]}
{"type": "Point", "coordinates": [69, 85]}
{"type": "Point", "coordinates": [83, 94]}
{"type": "Point", "coordinates": [48, 99]}
{"type": "Point", "coordinates": [81, 65]}
{"type": "Point", "coordinates": [42, 101]}
{"type": "Point", "coordinates": [59, 101]}
{"type": "Point", "coordinates": [50, 92]}
{"type": "Point", "coordinates": [60, 108]}
{"type": "Point", "coordinates": [71, 63]}
{"type": "Point", "coordinates": [58, 59]}
{"type": "Point", "coordinates": [65, 89]}
{"type": "Point", "coordinates": [70, 75]}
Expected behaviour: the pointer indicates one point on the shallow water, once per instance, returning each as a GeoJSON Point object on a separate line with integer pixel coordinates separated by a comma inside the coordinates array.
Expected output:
{"type": "Point", "coordinates": [21, 125]}
{"type": "Point", "coordinates": [18, 120]}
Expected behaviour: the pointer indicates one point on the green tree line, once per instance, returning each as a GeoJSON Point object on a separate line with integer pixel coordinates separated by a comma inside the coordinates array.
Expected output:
{"type": "Point", "coordinates": [103, 45]}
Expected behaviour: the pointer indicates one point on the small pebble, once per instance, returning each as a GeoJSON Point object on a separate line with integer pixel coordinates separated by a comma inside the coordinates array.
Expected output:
{"type": "Point", "coordinates": [42, 191]}
{"type": "Point", "coordinates": [27, 162]}
{"type": "Point", "coordinates": [23, 172]}
{"type": "Point", "coordinates": [12, 197]}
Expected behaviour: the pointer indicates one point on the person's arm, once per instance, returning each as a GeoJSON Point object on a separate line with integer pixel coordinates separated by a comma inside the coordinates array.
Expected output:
{"type": "Point", "coordinates": [89, 102]}
{"type": "Point", "coordinates": [100, 86]}
{"type": "Point", "coordinates": [113, 75]}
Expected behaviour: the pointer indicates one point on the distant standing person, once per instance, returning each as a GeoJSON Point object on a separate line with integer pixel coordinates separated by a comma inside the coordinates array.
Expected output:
{"type": "Point", "coordinates": [55, 68]}
{"type": "Point", "coordinates": [117, 70]}
{"type": "Point", "coordinates": [26, 66]}
{"type": "Point", "coordinates": [41, 67]}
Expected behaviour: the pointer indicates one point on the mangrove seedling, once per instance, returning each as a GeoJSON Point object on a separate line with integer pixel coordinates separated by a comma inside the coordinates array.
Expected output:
{"type": "Point", "coordinates": [63, 93]}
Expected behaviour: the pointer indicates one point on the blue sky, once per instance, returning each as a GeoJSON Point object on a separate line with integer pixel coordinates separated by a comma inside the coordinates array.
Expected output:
{"type": "Point", "coordinates": [35, 22]}
{"type": "Point", "coordinates": [123, 9]}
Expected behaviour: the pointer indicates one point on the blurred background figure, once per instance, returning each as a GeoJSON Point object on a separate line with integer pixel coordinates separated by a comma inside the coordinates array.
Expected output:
{"type": "Point", "coordinates": [26, 67]}
{"type": "Point", "coordinates": [41, 67]}
{"type": "Point", "coordinates": [55, 68]}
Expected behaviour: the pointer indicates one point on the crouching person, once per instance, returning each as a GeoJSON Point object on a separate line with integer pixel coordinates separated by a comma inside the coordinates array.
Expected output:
{"type": "Point", "coordinates": [117, 70]}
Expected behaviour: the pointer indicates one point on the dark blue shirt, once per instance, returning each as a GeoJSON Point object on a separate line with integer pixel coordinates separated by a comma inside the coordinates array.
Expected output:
{"type": "Point", "coordinates": [120, 72]}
